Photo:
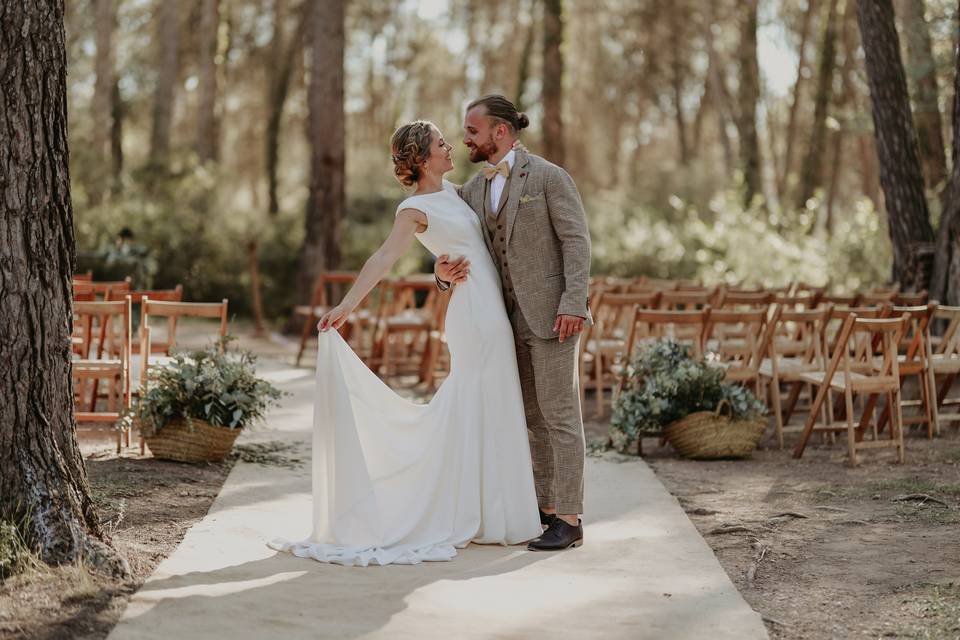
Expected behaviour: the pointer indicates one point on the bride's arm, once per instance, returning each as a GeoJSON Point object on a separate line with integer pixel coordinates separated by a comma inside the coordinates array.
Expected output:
{"type": "Point", "coordinates": [407, 223]}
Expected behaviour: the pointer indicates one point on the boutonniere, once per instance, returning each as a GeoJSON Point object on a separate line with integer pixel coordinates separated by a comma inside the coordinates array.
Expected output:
{"type": "Point", "coordinates": [526, 198]}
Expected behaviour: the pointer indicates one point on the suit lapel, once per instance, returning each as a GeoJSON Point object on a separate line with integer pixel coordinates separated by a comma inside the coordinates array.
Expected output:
{"type": "Point", "coordinates": [518, 177]}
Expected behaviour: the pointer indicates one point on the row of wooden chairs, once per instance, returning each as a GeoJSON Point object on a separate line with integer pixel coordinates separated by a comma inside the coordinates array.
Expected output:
{"type": "Point", "coordinates": [397, 329]}
{"type": "Point", "coordinates": [106, 373]}
{"type": "Point", "coordinates": [779, 345]}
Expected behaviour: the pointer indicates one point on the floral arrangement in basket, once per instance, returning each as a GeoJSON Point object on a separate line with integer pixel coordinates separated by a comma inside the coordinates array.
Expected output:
{"type": "Point", "coordinates": [215, 390]}
{"type": "Point", "coordinates": [664, 385]}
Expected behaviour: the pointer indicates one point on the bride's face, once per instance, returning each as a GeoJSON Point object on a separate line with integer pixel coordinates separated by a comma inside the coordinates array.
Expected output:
{"type": "Point", "coordinates": [439, 160]}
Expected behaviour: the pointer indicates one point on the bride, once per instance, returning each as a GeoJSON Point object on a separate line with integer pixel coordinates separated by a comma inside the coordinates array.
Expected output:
{"type": "Point", "coordinates": [396, 482]}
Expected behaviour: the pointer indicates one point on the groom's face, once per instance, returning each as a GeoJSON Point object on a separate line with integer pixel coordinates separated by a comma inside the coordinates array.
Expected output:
{"type": "Point", "coordinates": [479, 134]}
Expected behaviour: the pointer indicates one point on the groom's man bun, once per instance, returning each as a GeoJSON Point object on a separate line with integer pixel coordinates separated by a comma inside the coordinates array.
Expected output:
{"type": "Point", "coordinates": [502, 110]}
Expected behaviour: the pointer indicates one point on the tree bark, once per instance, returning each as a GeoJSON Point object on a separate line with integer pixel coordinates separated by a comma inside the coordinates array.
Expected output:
{"type": "Point", "coordinates": [42, 477]}
{"type": "Point", "coordinates": [811, 172]}
{"type": "Point", "coordinates": [748, 99]}
{"type": "Point", "coordinates": [900, 173]}
{"type": "Point", "coordinates": [206, 143]}
{"type": "Point", "coordinates": [791, 134]}
{"type": "Point", "coordinates": [168, 70]}
{"type": "Point", "coordinates": [717, 88]}
{"type": "Point", "coordinates": [325, 201]}
{"type": "Point", "coordinates": [103, 93]}
{"type": "Point", "coordinates": [281, 68]}
{"type": "Point", "coordinates": [926, 95]}
{"type": "Point", "coordinates": [945, 281]}
{"type": "Point", "coordinates": [116, 136]}
{"type": "Point", "coordinates": [677, 78]}
{"type": "Point", "coordinates": [553, 143]}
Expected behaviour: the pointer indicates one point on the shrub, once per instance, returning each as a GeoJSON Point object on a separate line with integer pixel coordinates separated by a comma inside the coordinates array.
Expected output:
{"type": "Point", "coordinates": [665, 384]}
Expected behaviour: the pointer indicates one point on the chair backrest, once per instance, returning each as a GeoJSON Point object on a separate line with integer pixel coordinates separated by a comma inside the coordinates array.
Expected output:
{"type": "Point", "coordinates": [743, 300]}
{"type": "Point", "coordinates": [86, 276]}
{"type": "Point", "coordinates": [798, 301]}
{"type": "Point", "coordinates": [877, 297]}
{"type": "Point", "coordinates": [685, 300]}
{"type": "Point", "coordinates": [798, 334]}
{"type": "Point", "coordinates": [915, 341]}
{"type": "Point", "coordinates": [949, 341]}
{"type": "Point", "coordinates": [840, 299]}
{"type": "Point", "coordinates": [83, 291]}
{"type": "Point", "coordinates": [613, 313]}
{"type": "Point", "coordinates": [105, 329]}
{"type": "Point", "coordinates": [883, 334]}
{"type": "Point", "coordinates": [321, 295]}
{"type": "Point", "coordinates": [683, 326]}
{"type": "Point", "coordinates": [173, 311]}
{"type": "Point", "coordinates": [737, 336]}
{"type": "Point", "coordinates": [915, 299]}
{"type": "Point", "coordinates": [166, 295]}
{"type": "Point", "coordinates": [403, 295]}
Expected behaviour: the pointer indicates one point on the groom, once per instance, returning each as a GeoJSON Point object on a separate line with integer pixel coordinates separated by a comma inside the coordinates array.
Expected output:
{"type": "Point", "coordinates": [536, 231]}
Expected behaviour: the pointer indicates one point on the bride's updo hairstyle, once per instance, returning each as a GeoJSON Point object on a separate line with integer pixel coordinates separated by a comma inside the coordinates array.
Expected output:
{"type": "Point", "coordinates": [410, 145]}
{"type": "Point", "coordinates": [502, 110]}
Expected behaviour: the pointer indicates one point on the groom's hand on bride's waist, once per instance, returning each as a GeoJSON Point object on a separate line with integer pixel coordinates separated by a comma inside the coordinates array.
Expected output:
{"type": "Point", "coordinates": [451, 271]}
{"type": "Point", "coordinates": [567, 326]}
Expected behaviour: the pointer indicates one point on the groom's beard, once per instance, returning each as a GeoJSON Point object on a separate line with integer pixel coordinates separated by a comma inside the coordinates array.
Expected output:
{"type": "Point", "coordinates": [483, 152]}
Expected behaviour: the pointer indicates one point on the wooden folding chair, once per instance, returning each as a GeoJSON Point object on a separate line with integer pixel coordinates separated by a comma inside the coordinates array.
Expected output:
{"type": "Point", "coordinates": [733, 340]}
{"type": "Point", "coordinates": [106, 358]}
{"type": "Point", "coordinates": [173, 312]}
{"type": "Point", "coordinates": [403, 332]}
{"type": "Point", "coordinates": [321, 301]}
{"type": "Point", "coordinates": [848, 375]}
{"type": "Point", "coordinates": [736, 300]}
{"type": "Point", "coordinates": [914, 360]}
{"type": "Point", "coordinates": [86, 276]}
{"type": "Point", "coordinates": [840, 299]}
{"type": "Point", "coordinates": [794, 346]}
{"type": "Point", "coordinates": [877, 298]}
{"type": "Point", "coordinates": [603, 351]}
{"type": "Point", "coordinates": [945, 364]}
{"type": "Point", "coordinates": [686, 327]}
{"type": "Point", "coordinates": [166, 295]}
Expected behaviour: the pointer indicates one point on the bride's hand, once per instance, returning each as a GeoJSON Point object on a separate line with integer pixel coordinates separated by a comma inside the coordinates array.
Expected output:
{"type": "Point", "coordinates": [333, 319]}
{"type": "Point", "coordinates": [518, 146]}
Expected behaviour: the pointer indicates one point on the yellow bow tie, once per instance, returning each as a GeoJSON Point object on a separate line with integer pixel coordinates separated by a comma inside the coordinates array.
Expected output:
{"type": "Point", "coordinates": [489, 171]}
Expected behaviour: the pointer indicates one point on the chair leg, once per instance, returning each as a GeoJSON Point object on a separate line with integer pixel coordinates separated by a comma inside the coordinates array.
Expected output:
{"type": "Point", "coordinates": [931, 383]}
{"type": "Point", "coordinates": [304, 336]}
{"type": "Point", "coordinates": [777, 411]}
{"type": "Point", "coordinates": [896, 426]}
{"type": "Point", "coordinates": [851, 435]}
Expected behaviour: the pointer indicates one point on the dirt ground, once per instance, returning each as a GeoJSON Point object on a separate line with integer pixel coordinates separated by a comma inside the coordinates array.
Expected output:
{"type": "Point", "coordinates": [147, 505]}
{"type": "Point", "coordinates": [822, 550]}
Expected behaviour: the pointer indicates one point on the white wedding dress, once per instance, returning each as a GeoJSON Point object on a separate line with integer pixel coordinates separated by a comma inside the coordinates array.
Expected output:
{"type": "Point", "coordinates": [396, 482]}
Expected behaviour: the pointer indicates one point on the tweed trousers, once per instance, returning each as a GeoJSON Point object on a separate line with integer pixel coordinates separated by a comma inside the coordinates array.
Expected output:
{"type": "Point", "coordinates": [551, 402]}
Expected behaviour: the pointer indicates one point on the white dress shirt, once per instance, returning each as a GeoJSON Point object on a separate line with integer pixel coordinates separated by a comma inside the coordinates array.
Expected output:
{"type": "Point", "coordinates": [496, 185]}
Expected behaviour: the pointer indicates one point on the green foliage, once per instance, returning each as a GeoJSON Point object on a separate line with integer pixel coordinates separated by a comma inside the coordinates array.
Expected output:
{"type": "Point", "coordinates": [725, 243]}
{"type": "Point", "coordinates": [220, 388]}
{"type": "Point", "coordinates": [664, 384]}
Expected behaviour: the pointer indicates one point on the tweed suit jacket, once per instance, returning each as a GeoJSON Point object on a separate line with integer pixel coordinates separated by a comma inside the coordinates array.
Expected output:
{"type": "Point", "coordinates": [548, 243]}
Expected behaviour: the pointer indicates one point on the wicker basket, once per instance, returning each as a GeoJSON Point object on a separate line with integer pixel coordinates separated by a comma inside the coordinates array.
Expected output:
{"type": "Point", "coordinates": [707, 435]}
{"type": "Point", "coordinates": [203, 443]}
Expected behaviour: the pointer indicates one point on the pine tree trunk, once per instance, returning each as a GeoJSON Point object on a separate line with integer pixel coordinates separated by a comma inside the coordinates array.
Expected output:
{"type": "Point", "coordinates": [103, 92]}
{"type": "Point", "coordinates": [926, 95]}
{"type": "Point", "coordinates": [797, 93]}
{"type": "Point", "coordinates": [719, 94]}
{"type": "Point", "coordinates": [42, 478]}
{"type": "Point", "coordinates": [116, 136]}
{"type": "Point", "coordinates": [748, 99]}
{"type": "Point", "coordinates": [325, 201]}
{"type": "Point", "coordinates": [206, 143]}
{"type": "Point", "coordinates": [900, 173]}
{"type": "Point", "coordinates": [553, 143]}
{"type": "Point", "coordinates": [811, 172]}
{"type": "Point", "coordinates": [945, 281]}
{"type": "Point", "coordinates": [677, 79]}
{"type": "Point", "coordinates": [281, 68]}
{"type": "Point", "coordinates": [168, 68]}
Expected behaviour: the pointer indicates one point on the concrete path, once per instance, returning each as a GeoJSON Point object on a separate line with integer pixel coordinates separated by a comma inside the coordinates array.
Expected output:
{"type": "Point", "coordinates": [643, 572]}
